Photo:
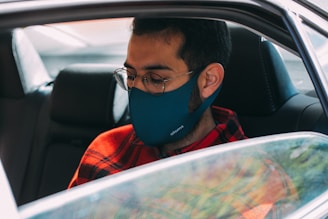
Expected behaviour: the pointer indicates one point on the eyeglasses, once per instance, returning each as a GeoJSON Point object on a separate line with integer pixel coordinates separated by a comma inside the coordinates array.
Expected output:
{"type": "Point", "coordinates": [154, 83]}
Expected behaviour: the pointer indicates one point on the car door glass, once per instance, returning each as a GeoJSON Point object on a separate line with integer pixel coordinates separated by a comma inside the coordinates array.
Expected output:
{"type": "Point", "coordinates": [297, 71]}
{"type": "Point", "coordinates": [212, 181]}
{"type": "Point", "coordinates": [320, 45]}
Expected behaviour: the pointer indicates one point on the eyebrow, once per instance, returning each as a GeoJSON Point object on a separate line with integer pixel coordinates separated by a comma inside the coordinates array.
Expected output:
{"type": "Point", "coordinates": [150, 67]}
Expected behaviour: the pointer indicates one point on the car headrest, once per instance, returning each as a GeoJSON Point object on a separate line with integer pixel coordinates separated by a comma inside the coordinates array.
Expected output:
{"type": "Point", "coordinates": [86, 94]}
{"type": "Point", "coordinates": [22, 69]}
{"type": "Point", "coordinates": [256, 82]}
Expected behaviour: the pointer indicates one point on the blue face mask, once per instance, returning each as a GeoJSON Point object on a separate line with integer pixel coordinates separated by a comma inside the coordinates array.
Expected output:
{"type": "Point", "coordinates": [159, 120]}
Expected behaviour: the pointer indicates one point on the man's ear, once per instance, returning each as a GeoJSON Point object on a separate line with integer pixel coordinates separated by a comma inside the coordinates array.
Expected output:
{"type": "Point", "coordinates": [210, 79]}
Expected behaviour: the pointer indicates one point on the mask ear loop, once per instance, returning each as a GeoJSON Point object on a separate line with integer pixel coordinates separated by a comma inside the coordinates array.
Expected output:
{"type": "Point", "coordinates": [195, 100]}
{"type": "Point", "coordinates": [207, 102]}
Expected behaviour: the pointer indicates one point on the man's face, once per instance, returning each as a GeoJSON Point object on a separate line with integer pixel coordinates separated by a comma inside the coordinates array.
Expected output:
{"type": "Point", "coordinates": [153, 53]}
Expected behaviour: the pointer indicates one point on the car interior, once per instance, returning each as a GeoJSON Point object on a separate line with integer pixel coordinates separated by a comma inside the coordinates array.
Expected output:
{"type": "Point", "coordinates": [46, 124]}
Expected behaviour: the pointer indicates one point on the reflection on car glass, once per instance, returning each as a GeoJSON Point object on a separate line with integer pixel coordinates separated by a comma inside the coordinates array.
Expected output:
{"type": "Point", "coordinates": [212, 182]}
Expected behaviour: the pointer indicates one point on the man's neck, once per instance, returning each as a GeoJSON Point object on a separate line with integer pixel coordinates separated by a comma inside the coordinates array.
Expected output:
{"type": "Point", "coordinates": [203, 127]}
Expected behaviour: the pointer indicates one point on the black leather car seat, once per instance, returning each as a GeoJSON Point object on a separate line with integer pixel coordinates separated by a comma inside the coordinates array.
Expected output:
{"type": "Point", "coordinates": [85, 101]}
{"type": "Point", "coordinates": [257, 86]}
{"type": "Point", "coordinates": [22, 75]}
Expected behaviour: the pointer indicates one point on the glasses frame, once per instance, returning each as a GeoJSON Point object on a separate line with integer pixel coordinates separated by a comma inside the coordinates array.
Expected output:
{"type": "Point", "coordinates": [144, 78]}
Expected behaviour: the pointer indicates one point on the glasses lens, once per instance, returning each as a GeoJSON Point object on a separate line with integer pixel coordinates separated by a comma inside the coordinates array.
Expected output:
{"type": "Point", "coordinates": [121, 77]}
{"type": "Point", "coordinates": [154, 83]}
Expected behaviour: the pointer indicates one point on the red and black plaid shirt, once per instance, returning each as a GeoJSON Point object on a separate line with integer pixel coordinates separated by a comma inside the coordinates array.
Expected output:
{"type": "Point", "coordinates": [119, 149]}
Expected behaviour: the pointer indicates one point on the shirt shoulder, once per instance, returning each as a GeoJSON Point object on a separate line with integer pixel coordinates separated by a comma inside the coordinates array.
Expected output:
{"type": "Point", "coordinates": [222, 115]}
{"type": "Point", "coordinates": [228, 126]}
{"type": "Point", "coordinates": [109, 140]}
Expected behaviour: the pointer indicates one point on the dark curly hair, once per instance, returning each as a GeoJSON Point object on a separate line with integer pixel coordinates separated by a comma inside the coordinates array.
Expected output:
{"type": "Point", "coordinates": [205, 41]}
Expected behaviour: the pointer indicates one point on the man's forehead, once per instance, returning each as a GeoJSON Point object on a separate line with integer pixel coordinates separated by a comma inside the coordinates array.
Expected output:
{"type": "Point", "coordinates": [168, 36]}
{"type": "Point", "coordinates": [155, 51]}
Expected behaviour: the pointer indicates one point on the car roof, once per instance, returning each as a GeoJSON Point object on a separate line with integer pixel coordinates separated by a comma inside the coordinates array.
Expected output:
{"type": "Point", "coordinates": [42, 12]}
{"type": "Point", "coordinates": [270, 11]}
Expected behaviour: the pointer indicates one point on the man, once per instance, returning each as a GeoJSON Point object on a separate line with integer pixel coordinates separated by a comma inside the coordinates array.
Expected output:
{"type": "Point", "coordinates": [173, 71]}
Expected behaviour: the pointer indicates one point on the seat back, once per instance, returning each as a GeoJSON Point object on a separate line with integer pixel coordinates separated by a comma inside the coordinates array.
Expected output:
{"type": "Point", "coordinates": [257, 86]}
{"type": "Point", "coordinates": [22, 73]}
{"type": "Point", "coordinates": [85, 101]}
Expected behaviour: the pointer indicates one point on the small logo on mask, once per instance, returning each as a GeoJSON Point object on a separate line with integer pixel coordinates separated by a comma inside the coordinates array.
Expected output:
{"type": "Point", "coordinates": [177, 130]}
